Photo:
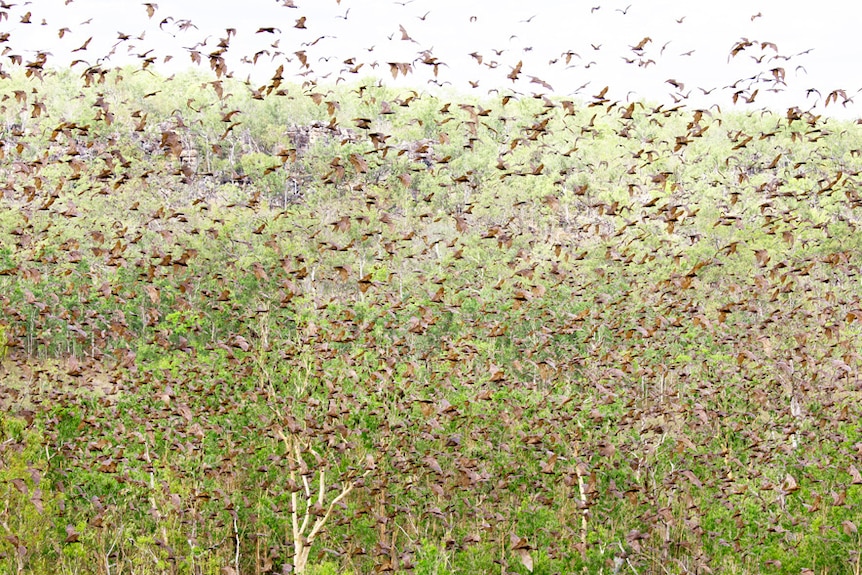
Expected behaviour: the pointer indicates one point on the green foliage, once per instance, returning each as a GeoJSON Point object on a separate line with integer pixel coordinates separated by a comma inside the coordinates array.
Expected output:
{"type": "Point", "coordinates": [326, 568]}
{"type": "Point", "coordinates": [4, 341]}
{"type": "Point", "coordinates": [32, 509]}
{"type": "Point", "coordinates": [629, 355]}
{"type": "Point", "coordinates": [262, 169]}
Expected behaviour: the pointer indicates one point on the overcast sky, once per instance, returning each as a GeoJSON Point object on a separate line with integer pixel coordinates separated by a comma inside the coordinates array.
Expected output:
{"type": "Point", "coordinates": [791, 53]}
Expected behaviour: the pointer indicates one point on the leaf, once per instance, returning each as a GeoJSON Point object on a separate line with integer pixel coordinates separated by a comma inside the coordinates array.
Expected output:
{"type": "Point", "coordinates": [854, 473]}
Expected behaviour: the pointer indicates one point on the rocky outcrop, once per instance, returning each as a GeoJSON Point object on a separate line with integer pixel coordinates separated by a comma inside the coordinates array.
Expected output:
{"type": "Point", "coordinates": [304, 137]}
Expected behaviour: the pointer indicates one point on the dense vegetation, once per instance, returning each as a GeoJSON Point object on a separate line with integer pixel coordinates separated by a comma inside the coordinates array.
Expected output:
{"type": "Point", "coordinates": [456, 335]}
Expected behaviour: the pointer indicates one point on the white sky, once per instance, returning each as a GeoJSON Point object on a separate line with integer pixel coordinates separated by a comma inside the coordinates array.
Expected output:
{"type": "Point", "coordinates": [601, 33]}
